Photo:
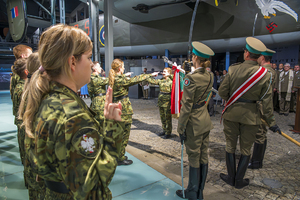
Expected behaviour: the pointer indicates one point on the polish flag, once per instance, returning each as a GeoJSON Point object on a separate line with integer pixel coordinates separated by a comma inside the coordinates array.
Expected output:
{"type": "Point", "coordinates": [177, 90]}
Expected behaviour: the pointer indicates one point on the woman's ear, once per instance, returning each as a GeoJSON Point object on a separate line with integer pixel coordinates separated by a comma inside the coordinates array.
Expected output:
{"type": "Point", "coordinates": [72, 63]}
{"type": "Point", "coordinates": [26, 72]}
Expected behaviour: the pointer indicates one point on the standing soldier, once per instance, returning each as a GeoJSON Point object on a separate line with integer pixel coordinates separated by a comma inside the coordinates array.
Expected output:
{"type": "Point", "coordinates": [261, 136]}
{"type": "Point", "coordinates": [242, 117]}
{"type": "Point", "coordinates": [145, 83]}
{"type": "Point", "coordinates": [164, 101]}
{"type": "Point", "coordinates": [194, 123]}
{"type": "Point", "coordinates": [19, 51]}
{"type": "Point", "coordinates": [276, 95]}
{"type": "Point", "coordinates": [296, 83]}
{"type": "Point", "coordinates": [96, 88]}
{"type": "Point", "coordinates": [284, 86]}
{"type": "Point", "coordinates": [120, 84]}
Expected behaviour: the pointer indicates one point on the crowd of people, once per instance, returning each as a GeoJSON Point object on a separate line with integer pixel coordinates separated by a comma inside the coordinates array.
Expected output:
{"type": "Point", "coordinates": [71, 151]}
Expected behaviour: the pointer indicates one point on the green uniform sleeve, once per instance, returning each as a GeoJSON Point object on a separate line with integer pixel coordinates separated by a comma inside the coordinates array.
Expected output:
{"type": "Point", "coordinates": [186, 103]}
{"type": "Point", "coordinates": [126, 81]}
{"type": "Point", "coordinates": [153, 81]}
{"type": "Point", "coordinates": [224, 89]}
{"type": "Point", "coordinates": [267, 102]}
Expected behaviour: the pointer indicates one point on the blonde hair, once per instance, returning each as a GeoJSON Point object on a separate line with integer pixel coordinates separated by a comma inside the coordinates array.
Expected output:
{"type": "Point", "coordinates": [32, 65]}
{"type": "Point", "coordinates": [56, 46]}
{"type": "Point", "coordinates": [19, 50]}
{"type": "Point", "coordinates": [115, 65]}
{"type": "Point", "coordinates": [169, 70]}
{"type": "Point", "coordinates": [203, 62]}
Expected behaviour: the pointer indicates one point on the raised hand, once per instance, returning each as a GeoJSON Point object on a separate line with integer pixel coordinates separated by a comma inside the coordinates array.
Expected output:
{"type": "Point", "coordinates": [112, 110]}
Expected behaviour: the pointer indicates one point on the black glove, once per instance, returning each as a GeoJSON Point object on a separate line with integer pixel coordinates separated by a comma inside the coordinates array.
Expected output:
{"type": "Point", "coordinates": [182, 137]}
{"type": "Point", "coordinates": [275, 128]}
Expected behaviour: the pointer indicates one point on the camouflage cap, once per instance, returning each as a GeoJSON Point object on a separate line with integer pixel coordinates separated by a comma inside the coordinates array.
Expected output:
{"type": "Point", "coordinates": [255, 46]}
{"type": "Point", "coordinates": [200, 49]}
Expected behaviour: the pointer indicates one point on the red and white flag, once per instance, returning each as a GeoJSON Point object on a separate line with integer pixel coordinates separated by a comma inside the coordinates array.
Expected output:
{"type": "Point", "coordinates": [177, 90]}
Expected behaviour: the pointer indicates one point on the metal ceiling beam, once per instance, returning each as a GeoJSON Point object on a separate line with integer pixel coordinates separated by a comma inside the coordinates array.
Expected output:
{"type": "Point", "coordinates": [109, 40]}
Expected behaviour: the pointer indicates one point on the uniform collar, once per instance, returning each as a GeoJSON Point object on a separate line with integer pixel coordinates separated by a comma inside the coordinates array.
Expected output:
{"type": "Point", "coordinates": [250, 62]}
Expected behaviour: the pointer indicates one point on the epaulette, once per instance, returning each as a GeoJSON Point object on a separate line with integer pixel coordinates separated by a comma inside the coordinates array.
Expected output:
{"type": "Point", "coordinates": [235, 64]}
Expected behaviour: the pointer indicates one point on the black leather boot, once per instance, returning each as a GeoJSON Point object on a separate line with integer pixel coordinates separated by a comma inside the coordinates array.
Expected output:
{"type": "Point", "coordinates": [263, 153]}
{"type": "Point", "coordinates": [257, 156]}
{"type": "Point", "coordinates": [240, 182]}
{"type": "Point", "coordinates": [203, 175]}
{"type": "Point", "coordinates": [231, 169]}
{"type": "Point", "coordinates": [191, 191]}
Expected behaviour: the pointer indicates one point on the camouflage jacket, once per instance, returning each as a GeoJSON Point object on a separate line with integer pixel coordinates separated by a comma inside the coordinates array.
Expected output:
{"type": "Point", "coordinates": [97, 85]}
{"type": "Point", "coordinates": [121, 87]}
{"type": "Point", "coordinates": [165, 86]}
{"type": "Point", "coordinates": [13, 83]}
{"type": "Point", "coordinates": [71, 147]}
{"type": "Point", "coordinates": [17, 96]}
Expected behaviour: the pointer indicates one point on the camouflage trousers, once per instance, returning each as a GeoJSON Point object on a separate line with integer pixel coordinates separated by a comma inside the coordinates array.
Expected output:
{"type": "Point", "coordinates": [166, 119]}
{"type": "Point", "coordinates": [21, 137]}
{"type": "Point", "coordinates": [128, 121]}
{"type": "Point", "coordinates": [261, 135]}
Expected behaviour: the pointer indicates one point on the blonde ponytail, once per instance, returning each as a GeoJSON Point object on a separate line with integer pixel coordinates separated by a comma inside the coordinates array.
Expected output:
{"type": "Point", "coordinates": [32, 65]}
{"type": "Point", "coordinates": [115, 65]}
{"type": "Point", "coordinates": [38, 87]}
{"type": "Point", "coordinates": [206, 64]}
{"type": "Point", "coordinates": [111, 77]}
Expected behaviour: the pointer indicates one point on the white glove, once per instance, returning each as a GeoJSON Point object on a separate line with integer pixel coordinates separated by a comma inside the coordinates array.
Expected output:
{"type": "Point", "coordinates": [128, 73]}
{"type": "Point", "coordinates": [154, 74]}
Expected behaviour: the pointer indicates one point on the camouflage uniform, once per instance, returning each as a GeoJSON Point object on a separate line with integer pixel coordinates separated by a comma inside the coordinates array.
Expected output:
{"type": "Point", "coordinates": [72, 150]}
{"type": "Point", "coordinates": [96, 89]}
{"type": "Point", "coordinates": [17, 96]}
{"type": "Point", "coordinates": [164, 102]}
{"type": "Point", "coordinates": [120, 89]}
{"type": "Point", "coordinates": [13, 82]}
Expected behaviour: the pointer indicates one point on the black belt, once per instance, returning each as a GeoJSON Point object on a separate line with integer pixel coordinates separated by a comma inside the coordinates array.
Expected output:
{"type": "Point", "coordinates": [120, 97]}
{"type": "Point", "coordinates": [165, 93]}
{"type": "Point", "coordinates": [100, 95]}
{"type": "Point", "coordinates": [58, 187]}
{"type": "Point", "coordinates": [195, 106]}
{"type": "Point", "coordinates": [245, 100]}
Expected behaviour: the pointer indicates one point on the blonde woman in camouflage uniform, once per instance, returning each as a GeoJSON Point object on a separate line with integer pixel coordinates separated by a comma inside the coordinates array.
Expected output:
{"type": "Point", "coordinates": [21, 71]}
{"type": "Point", "coordinates": [96, 88]}
{"type": "Point", "coordinates": [74, 156]}
{"type": "Point", "coordinates": [36, 190]}
{"type": "Point", "coordinates": [19, 51]}
{"type": "Point", "coordinates": [164, 101]}
{"type": "Point", "coordinates": [120, 84]}
{"type": "Point", "coordinates": [194, 122]}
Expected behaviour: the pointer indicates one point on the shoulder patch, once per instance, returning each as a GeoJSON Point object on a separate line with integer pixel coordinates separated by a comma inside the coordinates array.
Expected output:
{"type": "Point", "coordinates": [186, 82]}
{"type": "Point", "coordinates": [86, 142]}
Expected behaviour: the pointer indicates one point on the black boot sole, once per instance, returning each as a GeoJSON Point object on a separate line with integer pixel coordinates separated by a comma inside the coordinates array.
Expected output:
{"type": "Point", "coordinates": [245, 183]}
{"type": "Point", "coordinates": [226, 178]}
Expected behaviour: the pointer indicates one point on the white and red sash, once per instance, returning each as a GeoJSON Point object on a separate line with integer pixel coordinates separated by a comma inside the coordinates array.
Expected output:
{"type": "Point", "coordinates": [252, 80]}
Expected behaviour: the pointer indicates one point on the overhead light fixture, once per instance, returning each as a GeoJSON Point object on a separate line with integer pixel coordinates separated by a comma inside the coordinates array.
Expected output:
{"type": "Point", "coordinates": [87, 3]}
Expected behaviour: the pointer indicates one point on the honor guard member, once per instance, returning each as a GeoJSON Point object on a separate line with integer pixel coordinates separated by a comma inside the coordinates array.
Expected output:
{"type": "Point", "coordinates": [243, 117]}
{"type": "Point", "coordinates": [120, 84]}
{"type": "Point", "coordinates": [260, 143]}
{"type": "Point", "coordinates": [74, 156]}
{"type": "Point", "coordinates": [194, 122]}
{"type": "Point", "coordinates": [296, 84]}
{"type": "Point", "coordinates": [19, 51]}
{"type": "Point", "coordinates": [36, 190]}
{"type": "Point", "coordinates": [294, 90]}
{"type": "Point", "coordinates": [164, 101]}
{"type": "Point", "coordinates": [96, 89]}
{"type": "Point", "coordinates": [285, 87]}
